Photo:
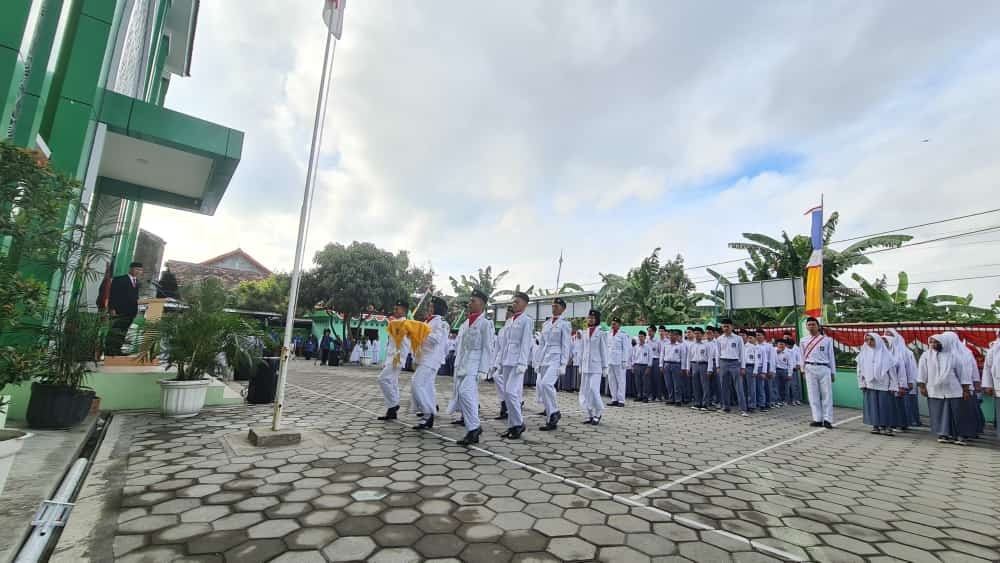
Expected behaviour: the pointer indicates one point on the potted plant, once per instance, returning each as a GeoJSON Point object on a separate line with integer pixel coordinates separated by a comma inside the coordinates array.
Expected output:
{"type": "Point", "coordinates": [33, 218]}
{"type": "Point", "coordinates": [200, 340]}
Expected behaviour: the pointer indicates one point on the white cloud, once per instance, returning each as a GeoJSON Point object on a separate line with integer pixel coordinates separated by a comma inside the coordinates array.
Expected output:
{"type": "Point", "coordinates": [476, 134]}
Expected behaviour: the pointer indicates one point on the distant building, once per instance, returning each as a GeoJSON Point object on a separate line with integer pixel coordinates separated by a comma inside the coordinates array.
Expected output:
{"type": "Point", "coordinates": [230, 268]}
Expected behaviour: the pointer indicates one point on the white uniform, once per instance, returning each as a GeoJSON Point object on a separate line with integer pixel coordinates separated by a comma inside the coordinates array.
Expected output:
{"type": "Point", "coordinates": [432, 354]}
{"type": "Point", "coordinates": [556, 348]}
{"type": "Point", "coordinates": [473, 358]}
{"type": "Point", "coordinates": [512, 359]}
{"type": "Point", "coordinates": [619, 350]}
{"type": "Point", "coordinates": [593, 362]}
{"type": "Point", "coordinates": [388, 379]}
{"type": "Point", "coordinates": [818, 365]}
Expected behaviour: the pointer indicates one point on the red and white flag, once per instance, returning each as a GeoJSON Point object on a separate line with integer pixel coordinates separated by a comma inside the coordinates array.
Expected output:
{"type": "Point", "coordinates": [333, 16]}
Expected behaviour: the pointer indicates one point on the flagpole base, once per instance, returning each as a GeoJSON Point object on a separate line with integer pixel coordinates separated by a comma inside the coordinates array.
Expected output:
{"type": "Point", "coordinates": [264, 437]}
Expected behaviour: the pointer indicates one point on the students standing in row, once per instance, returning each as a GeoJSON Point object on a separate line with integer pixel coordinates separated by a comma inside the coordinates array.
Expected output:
{"type": "Point", "coordinates": [641, 356]}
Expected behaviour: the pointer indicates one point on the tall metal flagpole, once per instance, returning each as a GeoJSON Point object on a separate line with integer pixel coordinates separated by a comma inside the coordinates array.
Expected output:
{"type": "Point", "coordinates": [307, 197]}
{"type": "Point", "coordinates": [559, 272]}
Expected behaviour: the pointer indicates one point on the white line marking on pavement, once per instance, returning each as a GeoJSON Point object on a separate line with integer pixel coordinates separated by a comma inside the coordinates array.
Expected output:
{"type": "Point", "coordinates": [697, 474]}
{"type": "Point", "coordinates": [622, 499]}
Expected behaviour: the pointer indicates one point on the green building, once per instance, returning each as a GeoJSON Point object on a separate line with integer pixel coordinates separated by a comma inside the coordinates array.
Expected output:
{"type": "Point", "coordinates": [84, 81]}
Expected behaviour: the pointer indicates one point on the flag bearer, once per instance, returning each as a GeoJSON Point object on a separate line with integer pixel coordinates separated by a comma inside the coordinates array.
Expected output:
{"type": "Point", "coordinates": [473, 358]}
{"type": "Point", "coordinates": [620, 349]}
{"type": "Point", "coordinates": [514, 357]}
{"type": "Point", "coordinates": [819, 366]}
{"type": "Point", "coordinates": [395, 358]}
{"type": "Point", "coordinates": [431, 356]}
{"type": "Point", "coordinates": [555, 355]}
{"type": "Point", "coordinates": [593, 366]}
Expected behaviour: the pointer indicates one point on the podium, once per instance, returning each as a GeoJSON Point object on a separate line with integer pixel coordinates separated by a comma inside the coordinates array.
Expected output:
{"type": "Point", "coordinates": [147, 340]}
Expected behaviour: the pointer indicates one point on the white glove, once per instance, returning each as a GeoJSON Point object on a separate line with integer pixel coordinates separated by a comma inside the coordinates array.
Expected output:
{"type": "Point", "coordinates": [520, 369]}
{"type": "Point", "coordinates": [604, 372]}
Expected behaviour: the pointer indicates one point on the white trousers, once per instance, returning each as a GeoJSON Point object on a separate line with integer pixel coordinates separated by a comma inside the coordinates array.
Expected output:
{"type": "Point", "coordinates": [546, 386]}
{"type": "Point", "coordinates": [422, 390]}
{"type": "Point", "coordinates": [388, 382]}
{"type": "Point", "coordinates": [590, 394]}
{"type": "Point", "coordinates": [498, 379]}
{"type": "Point", "coordinates": [513, 391]}
{"type": "Point", "coordinates": [466, 400]}
{"type": "Point", "coordinates": [616, 382]}
{"type": "Point", "coordinates": [819, 385]}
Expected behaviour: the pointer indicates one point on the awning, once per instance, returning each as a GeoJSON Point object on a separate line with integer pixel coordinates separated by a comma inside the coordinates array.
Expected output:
{"type": "Point", "coordinates": [164, 157]}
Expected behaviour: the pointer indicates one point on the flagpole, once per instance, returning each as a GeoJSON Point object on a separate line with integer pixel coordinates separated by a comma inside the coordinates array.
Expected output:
{"type": "Point", "coordinates": [559, 271]}
{"type": "Point", "coordinates": [307, 197]}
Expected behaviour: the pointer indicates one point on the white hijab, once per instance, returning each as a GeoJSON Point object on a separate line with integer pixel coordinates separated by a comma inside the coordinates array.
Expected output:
{"type": "Point", "coordinates": [875, 362]}
{"type": "Point", "coordinates": [949, 357]}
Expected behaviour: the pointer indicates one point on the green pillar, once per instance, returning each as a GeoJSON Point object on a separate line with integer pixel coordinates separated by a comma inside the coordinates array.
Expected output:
{"type": "Point", "coordinates": [18, 27]}
{"type": "Point", "coordinates": [44, 56]}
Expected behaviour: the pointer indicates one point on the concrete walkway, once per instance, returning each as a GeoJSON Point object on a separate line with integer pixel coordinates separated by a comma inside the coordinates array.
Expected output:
{"type": "Point", "coordinates": [651, 483]}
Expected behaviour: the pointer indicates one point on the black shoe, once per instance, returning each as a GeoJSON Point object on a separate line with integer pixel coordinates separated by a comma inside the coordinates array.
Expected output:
{"type": "Point", "coordinates": [390, 414]}
{"type": "Point", "coordinates": [613, 404]}
{"type": "Point", "coordinates": [513, 433]}
{"type": "Point", "coordinates": [459, 422]}
{"type": "Point", "coordinates": [502, 416]}
{"type": "Point", "coordinates": [543, 413]}
{"type": "Point", "coordinates": [471, 437]}
{"type": "Point", "coordinates": [425, 425]}
{"type": "Point", "coordinates": [814, 423]}
{"type": "Point", "coordinates": [827, 425]}
{"type": "Point", "coordinates": [595, 421]}
{"type": "Point", "coordinates": [420, 415]}
{"type": "Point", "coordinates": [588, 421]}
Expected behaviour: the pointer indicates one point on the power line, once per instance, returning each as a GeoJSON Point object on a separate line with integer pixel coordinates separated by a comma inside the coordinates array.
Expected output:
{"type": "Point", "coordinates": [928, 282]}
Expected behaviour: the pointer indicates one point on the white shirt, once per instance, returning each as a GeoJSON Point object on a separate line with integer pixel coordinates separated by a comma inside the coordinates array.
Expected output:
{"type": "Point", "coordinates": [730, 347]}
{"type": "Point", "coordinates": [819, 352]}
{"type": "Point", "coordinates": [518, 341]}
{"type": "Point", "coordinates": [432, 352]}
{"type": "Point", "coordinates": [655, 348]}
{"type": "Point", "coordinates": [640, 354]}
{"type": "Point", "coordinates": [557, 342]}
{"type": "Point", "coordinates": [620, 347]}
{"type": "Point", "coordinates": [594, 355]}
{"type": "Point", "coordinates": [474, 348]}
{"type": "Point", "coordinates": [784, 359]}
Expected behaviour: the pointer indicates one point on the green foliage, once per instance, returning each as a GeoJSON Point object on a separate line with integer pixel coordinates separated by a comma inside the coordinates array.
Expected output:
{"type": "Point", "coordinates": [876, 303]}
{"type": "Point", "coordinates": [168, 285]}
{"type": "Point", "coordinates": [651, 292]}
{"type": "Point", "coordinates": [269, 294]}
{"type": "Point", "coordinates": [194, 338]}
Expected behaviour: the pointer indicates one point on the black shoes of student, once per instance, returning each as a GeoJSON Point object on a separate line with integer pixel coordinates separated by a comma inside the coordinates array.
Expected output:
{"type": "Point", "coordinates": [827, 425]}
{"type": "Point", "coordinates": [503, 412]}
{"type": "Point", "coordinates": [814, 423]}
{"type": "Point", "coordinates": [593, 421]}
{"type": "Point", "coordinates": [471, 437]}
{"type": "Point", "coordinates": [390, 413]}
{"type": "Point", "coordinates": [425, 425]}
{"type": "Point", "coordinates": [459, 422]}
{"type": "Point", "coordinates": [541, 413]}
{"type": "Point", "coordinates": [501, 416]}
{"type": "Point", "coordinates": [513, 433]}
{"type": "Point", "coordinates": [588, 421]}
{"type": "Point", "coordinates": [553, 422]}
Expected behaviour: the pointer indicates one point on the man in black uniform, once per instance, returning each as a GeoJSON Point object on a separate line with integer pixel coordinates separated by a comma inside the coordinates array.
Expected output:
{"type": "Point", "coordinates": [123, 304]}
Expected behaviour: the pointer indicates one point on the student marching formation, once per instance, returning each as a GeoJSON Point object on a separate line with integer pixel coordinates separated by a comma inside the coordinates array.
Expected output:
{"type": "Point", "coordinates": [715, 369]}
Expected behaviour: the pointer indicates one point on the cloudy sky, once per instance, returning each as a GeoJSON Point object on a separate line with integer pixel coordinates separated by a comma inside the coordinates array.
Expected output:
{"type": "Point", "coordinates": [502, 133]}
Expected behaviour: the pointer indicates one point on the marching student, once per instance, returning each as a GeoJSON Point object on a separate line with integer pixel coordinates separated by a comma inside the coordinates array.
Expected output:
{"type": "Point", "coordinates": [496, 372]}
{"type": "Point", "coordinates": [784, 359]}
{"type": "Point", "coordinates": [675, 358]}
{"type": "Point", "coordinates": [395, 359]}
{"type": "Point", "coordinates": [473, 358]}
{"type": "Point", "coordinates": [702, 353]}
{"type": "Point", "coordinates": [429, 358]}
{"type": "Point", "coordinates": [514, 357]}
{"type": "Point", "coordinates": [751, 366]}
{"type": "Point", "coordinates": [557, 348]}
{"type": "Point", "coordinates": [819, 366]}
{"type": "Point", "coordinates": [655, 343]}
{"type": "Point", "coordinates": [594, 364]}
{"type": "Point", "coordinates": [640, 368]}
{"type": "Point", "coordinates": [620, 347]}
{"type": "Point", "coordinates": [943, 378]}
{"type": "Point", "coordinates": [879, 383]}
{"type": "Point", "coordinates": [731, 370]}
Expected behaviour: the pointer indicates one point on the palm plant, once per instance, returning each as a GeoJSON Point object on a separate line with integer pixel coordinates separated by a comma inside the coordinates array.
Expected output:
{"type": "Point", "coordinates": [771, 258]}
{"type": "Point", "coordinates": [875, 302]}
{"type": "Point", "coordinates": [654, 291]}
{"type": "Point", "coordinates": [483, 280]}
{"type": "Point", "coordinates": [568, 287]}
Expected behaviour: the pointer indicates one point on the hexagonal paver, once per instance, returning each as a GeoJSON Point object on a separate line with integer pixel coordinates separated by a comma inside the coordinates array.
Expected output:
{"type": "Point", "coordinates": [146, 524]}
{"type": "Point", "coordinates": [651, 544]}
{"type": "Point", "coordinates": [621, 554]}
{"type": "Point", "coordinates": [358, 526]}
{"type": "Point", "coordinates": [310, 538]}
{"type": "Point", "coordinates": [181, 533]}
{"type": "Point", "coordinates": [273, 529]}
{"type": "Point", "coordinates": [300, 557]}
{"type": "Point", "coordinates": [400, 516]}
{"type": "Point", "coordinates": [254, 551]}
{"type": "Point", "coordinates": [397, 535]}
{"type": "Point", "coordinates": [556, 527]}
{"type": "Point", "coordinates": [628, 523]}
{"type": "Point", "coordinates": [437, 524]}
{"type": "Point", "coordinates": [584, 516]}
{"type": "Point", "coordinates": [571, 549]}
{"type": "Point", "coordinates": [394, 555]}
{"type": "Point", "coordinates": [349, 549]}
{"type": "Point", "coordinates": [602, 535]}
{"type": "Point", "coordinates": [239, 521]}
{"type": "Point", "coordinates": [205, 514]}
{"type": "Point", "coordinates": [439, 545]}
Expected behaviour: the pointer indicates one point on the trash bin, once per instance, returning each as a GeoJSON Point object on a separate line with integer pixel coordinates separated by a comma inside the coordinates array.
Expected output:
{"type": "Point", "coordinates": [264, 382]}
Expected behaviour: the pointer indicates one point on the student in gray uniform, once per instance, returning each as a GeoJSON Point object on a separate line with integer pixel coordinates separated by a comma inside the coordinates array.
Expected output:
{"type": "Point", "coordinates": [945, 381]}
{"type": "Point", "coordinates": [731, 369]}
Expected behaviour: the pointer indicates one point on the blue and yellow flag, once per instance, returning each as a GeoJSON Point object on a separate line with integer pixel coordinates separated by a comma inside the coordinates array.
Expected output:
{"type": "Point", "coordinates": [814, 269]}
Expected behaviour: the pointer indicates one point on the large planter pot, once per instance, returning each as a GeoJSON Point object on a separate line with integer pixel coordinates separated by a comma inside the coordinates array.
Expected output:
{"type": "Point", "coordinates": [57, 407]}
{"type": "Point", "coordinates": [10, 443]}
{"type": "Point", "coordinates": [181, 399]}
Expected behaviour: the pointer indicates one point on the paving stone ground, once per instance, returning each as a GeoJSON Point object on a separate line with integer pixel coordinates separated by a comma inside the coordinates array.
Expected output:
{"type": "Point", "coordinates": [643, 486]}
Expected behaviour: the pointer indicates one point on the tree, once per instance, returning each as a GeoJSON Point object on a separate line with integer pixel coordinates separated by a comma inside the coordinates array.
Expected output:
{"type": "Point", "coordinates": [874, 302]}
{"type": "Point", "coordinates": [770, 258]}
{"type": "Point", "coordinates": [568, 287]}
{"type": "Point", "coordinates": [483, 280]}
{"type": "Point", "coordinates": [269, 295]}
{"type": "Point", "coordinates": [651, 292]}
{"type": "Point", "coordinates": [350, 279]}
